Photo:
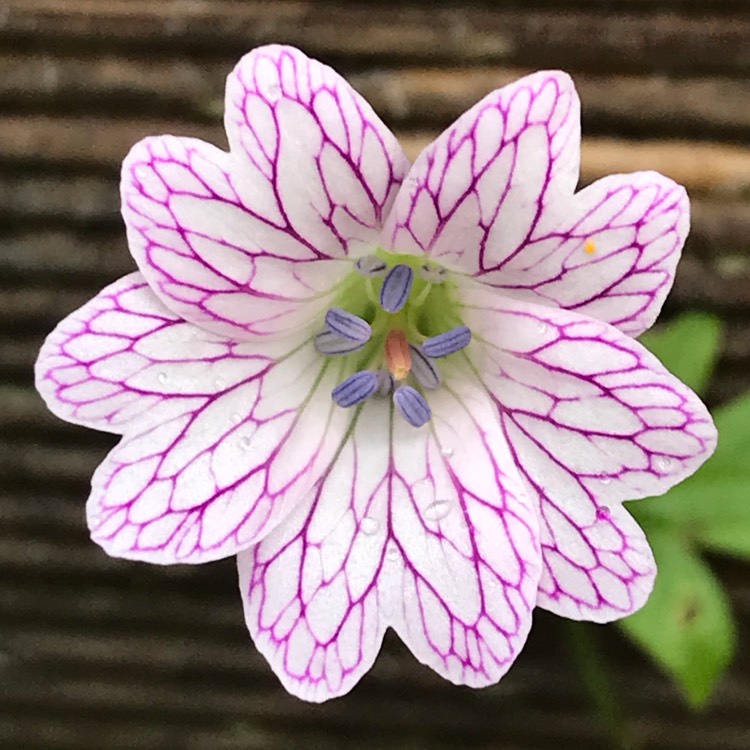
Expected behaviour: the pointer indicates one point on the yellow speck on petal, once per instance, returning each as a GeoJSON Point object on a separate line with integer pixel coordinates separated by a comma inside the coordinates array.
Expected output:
{"type": "Point", "coordinates": [397, 354]}
{"type": "Point", "coordinates": [589, 247]}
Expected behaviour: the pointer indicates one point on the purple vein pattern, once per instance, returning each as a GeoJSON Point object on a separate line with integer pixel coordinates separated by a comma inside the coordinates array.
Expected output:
{"type": "Point", "coordinates": [493, 198]}
{"type": "Point", "coordinates": [348, 521]}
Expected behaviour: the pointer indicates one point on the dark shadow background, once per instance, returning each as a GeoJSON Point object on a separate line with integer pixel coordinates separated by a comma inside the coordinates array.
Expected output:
{"type": "Point", "coordinates": [99, 653]}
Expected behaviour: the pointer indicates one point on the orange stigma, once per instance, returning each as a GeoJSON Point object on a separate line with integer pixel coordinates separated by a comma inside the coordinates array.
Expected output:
{"type": "Point", "coordinates": [589, 247]}
{"type": "Point", "coordinates": [397, 354]}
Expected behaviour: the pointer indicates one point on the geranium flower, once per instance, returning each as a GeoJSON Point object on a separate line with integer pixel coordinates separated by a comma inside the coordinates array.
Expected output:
{"type": "Point", "coordinates": [404, 397]}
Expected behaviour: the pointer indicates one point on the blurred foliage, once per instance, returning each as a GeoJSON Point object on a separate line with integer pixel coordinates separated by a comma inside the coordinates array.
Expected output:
{"type": "Point", "coordinates": [687, 625]}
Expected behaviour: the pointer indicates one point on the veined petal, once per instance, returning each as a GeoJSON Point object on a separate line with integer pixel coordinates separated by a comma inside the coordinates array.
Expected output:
{"type": "Point", "coordinates": [592, 419]}
{"type": "Point", "coordinates": [611, 256]}
{"type": "Point", "coordinates": [220, 442]}
{"type": "Point", "coordinates": [243, 243]}
{"type": "Point", "coordinates": [123, 360]}
{"type": "Point", "coordinates": [589, 402]}
{"type": "Point", "coordinates": [439, 542]}
{"type": "Point", "coordinates": [465, 534]}
{"type": "Point", "coordinates": [310, 590]}
{"type": "Point", "coordinates": [211, 258]}
{"type": "Point", "coordinates": [474, 196]}
{"type": "Point", "coordinates": [212, 481]}
{"type": "Point", "coordinates": [310, 151]}
{"type": "Point", "coordinates": [600, 569]}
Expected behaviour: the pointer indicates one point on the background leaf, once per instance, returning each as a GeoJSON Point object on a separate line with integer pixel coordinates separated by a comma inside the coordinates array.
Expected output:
{"type": "Point", "coordinates": [686, 625]}
{"type": "Point", "coordinates": [713, 506]}
{"type": "Point", "coordinates": [688, 347]}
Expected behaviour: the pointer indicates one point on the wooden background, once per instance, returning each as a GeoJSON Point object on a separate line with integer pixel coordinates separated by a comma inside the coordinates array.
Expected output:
{"type": "Point", "coordinates": [97, 653]}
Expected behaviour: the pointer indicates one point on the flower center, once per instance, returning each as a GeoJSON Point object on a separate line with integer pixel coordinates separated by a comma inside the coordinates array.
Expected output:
{"type": "Point", "coordinates": [393, 317]}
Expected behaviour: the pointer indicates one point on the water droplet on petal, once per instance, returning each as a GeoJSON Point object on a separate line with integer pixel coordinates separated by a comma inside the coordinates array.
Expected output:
{"type": "Point", "coordinates": [245, 442]}
{"type": "Point", "coordinates": [273, 92]}
{"type": "Point", "coordinates": [664, 463]}
{"type": "Point", "coordinates": [605, 479]}
{"type": "Point", "coordinates": [603, 513]}
{"type": "Point", "coordinates": [392, 553]}
{"type": "Point", "coordinates": [369, 525]}
{"type": "Point", "coordinates": [447, 451]}
{"type": "Point", "coordinates": [219, 383]}
{"type": "Point", "coordinates": [162, 377]}
{"type": "Point", "coordinates": [236, 418]}
{"type": "Point", "coordinates": [541, 326]}
{"type": "Point", "coordinates": [437, 510]}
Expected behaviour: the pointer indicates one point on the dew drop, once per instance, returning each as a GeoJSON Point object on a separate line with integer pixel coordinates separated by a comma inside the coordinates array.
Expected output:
{"type": "Point", "coordinates": [369, 525]}
{"type": "Point", "coordinates": [437, 510]}
{"type": "Point", "coordinates": [447, 451]}
{"type": "Point", "coordinates": [606, 480]}
{"type": "Point", "coordinates": [664, 463]}
{"type": "Point", "coordinates": [219, 383]}
{"type": "Point", "coordinates": [392, 553]}
{"type": "Point", "coordinates": [273, 92]}
{"type": "Point", "coordinates": [236, 418]}
{"type": "Point", "coordinates": [541, 326]}
{"type": "Point", "coordinates": [245, 443]}
{"type": "Point", "coordinates": [162, 377]}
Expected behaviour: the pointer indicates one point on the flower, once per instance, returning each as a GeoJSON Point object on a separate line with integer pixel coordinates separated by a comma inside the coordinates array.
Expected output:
{"type": "Point", "coordinates": [402, 396]}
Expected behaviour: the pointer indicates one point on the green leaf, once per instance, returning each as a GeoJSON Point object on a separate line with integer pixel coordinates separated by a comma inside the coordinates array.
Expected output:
{"type": "Point", "coordinates": [713, 506]}
{"type": "Point", "coordinates": [686, 626]}
{"type": "Point", "coordinates": [688, 347]}
{"type": "Point", "coordinates": [732, 455]}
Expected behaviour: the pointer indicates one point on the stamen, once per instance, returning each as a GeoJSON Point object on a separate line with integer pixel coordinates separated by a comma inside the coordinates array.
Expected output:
{"type": "Point", "coordinates": [355, 389]}
{"type": "Point", "coordinates": [396, 288]}
{"type": "Point", "coordinates": [447, 343]}
{"type": "Point", "coordinates": [347, 325]}
{"type": "Point", "coordinates": [331, 344]}
{"type": "Point", "coordinates": [371, 265]}
{"type": "Point", "coordinates": [424, 369]}
{"type": "Point", "coordinates": [432, 274]}
{"type": "Point", "coordinates": [397, 354]}
{"type": "Point", "coordinates": [411, 406]}
{"type": "Point", "coordinates": [385, 383]}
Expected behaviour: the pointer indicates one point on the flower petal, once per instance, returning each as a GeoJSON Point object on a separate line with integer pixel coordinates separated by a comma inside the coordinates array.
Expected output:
{"type": "Point", "coordinates": [595, 404]}
{"type": "Point", "coordinates": [597, 566]}
{"type": "Point", "coordinates": [412, 534]}
{"type": "Point", "coordinates": [209, 257]}
{"type": "Point", "coordinates": [306, 142]}
{"type": "Point", "coordinates": [475, 196]}
{"type": "Point", "coordinates": [213, 480]}
{"type": "Point", "coordinates": [593, 419]}
{"type": "Point", "coordinates": [311, 592]}
{"type": "Point", "coordinates": [221, 441]}
{"type": "Point", "coordinates": [612, 256]}
{"type": "Point", "coordinates": [464, 552]}
{"type": "Point", "coordinates": [123, 360]}
{"type": "Point", "coordinates": [311, 174]}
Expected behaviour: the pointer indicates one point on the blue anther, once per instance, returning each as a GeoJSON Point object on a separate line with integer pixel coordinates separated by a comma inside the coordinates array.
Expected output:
{"type": "Point", "coordinates": [331, 344]}
{"type": "Point", "coordinates": [347, 325]}
{"type": "Point", "coordinates": [412, 406]}
{"type": "Point", "coordinates": [447, 343]}
{"type": "Point", "coordinates": [424, 369]}
{"type": "Point", "coordinates": [355, 389]}
{"type": "Point", "coordinates": [396, 288]}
